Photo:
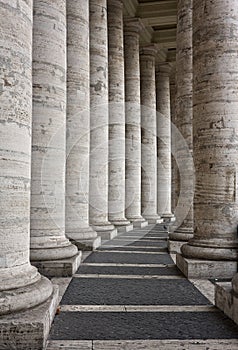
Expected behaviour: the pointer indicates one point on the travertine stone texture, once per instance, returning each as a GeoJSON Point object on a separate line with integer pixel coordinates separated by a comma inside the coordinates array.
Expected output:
{"type": "Point", "coordinates": [99, 153]}
{"type": "Point", "coordinates": [21, 286]}
{"type": "Point", "coordinates": [78, 125]}
{"type": "Point", "coordinates": [175, 173]}
{"type": "Point", "coordinates": [183, 124]}
{"type": "Point", "coordinates": [116, 114]}
{"type": "Point", "coordinates": [215, 126]}
{"type": "Point", "coordinates": [148, 138]}
{"type": "Point", "coordinates": [132, 28]}
{"type": "Point", "coordinates": [163, 141]}
{"type": "Point", "coordinates": [227, 300]}
{"type": "Point", "coordinates": [48, 241]}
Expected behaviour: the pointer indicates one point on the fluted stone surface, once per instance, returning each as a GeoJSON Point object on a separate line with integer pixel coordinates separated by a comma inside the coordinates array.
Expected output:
{"type": "Point", "coordinates": [163, 141]}
{"type": "Point", "coordinates": [148, 140]}
{"type": "Point", "coordinates": [215, 126]}
{"type": "Point", "coordinates": [48, 241]}
{"type": "Point", "coordinates": [99, 153]}
{"type": "Point", "coordinates": [21, 287]}
{"type": "Point", "coordinates": [132, 28]}
{"type": "Point", "coordinates": [78, 125]}
{"type": "Point", "coordinates": [116, 115]}
{"type": "Point", "coordinates": [183, 128]}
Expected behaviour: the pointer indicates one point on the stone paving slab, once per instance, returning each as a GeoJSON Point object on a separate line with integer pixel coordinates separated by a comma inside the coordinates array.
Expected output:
{"type": "Point", "coordinates": [197, 344]}
{"type": "Point", "coordinates": [126, 326]}
{"type": "Point", "coordinates": [114, 270]}
{"type": "Point", "coordinates": [83, 291]}
{"type": "Point", "coordinates": [129, 258]}
{"type": "Point", "coordinates": [127, 248]}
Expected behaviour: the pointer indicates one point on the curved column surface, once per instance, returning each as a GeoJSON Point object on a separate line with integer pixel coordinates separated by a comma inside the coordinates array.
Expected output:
{"type": "Point", "coordinates": [21, 287]}
{"type": "Point", "coordinates": [163, 141]}
{"type": "Point", "coordinates": [116, 115]}
{"type": "Point", "coordinates": [99, 128]}
{"type": "Point", "coordinates": [215, 127]}
{"type": "Point", "coordinates": [183, 127]}
{"type": "Point", "coordinates": [148, 138]}
{"type": "Point", "coordinates": [175, 174]}
{"type": "Point", "coordinates": [78, 124]}
{"type": "Point", "coordinates": [48, 241]}
{"type": "Point", "coordinates": [132, 28]}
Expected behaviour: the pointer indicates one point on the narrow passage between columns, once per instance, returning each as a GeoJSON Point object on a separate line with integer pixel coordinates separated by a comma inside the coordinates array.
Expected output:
{"type": "Point", "coordinates": [130, 295]}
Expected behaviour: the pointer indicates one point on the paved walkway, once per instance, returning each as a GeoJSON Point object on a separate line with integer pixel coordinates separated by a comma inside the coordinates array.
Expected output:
{"type": "Point", "coordinates": [130, 295]}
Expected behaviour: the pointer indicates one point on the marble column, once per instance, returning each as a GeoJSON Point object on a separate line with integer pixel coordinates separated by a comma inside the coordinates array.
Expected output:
{"type": "Point", "coordinates": [132, 28]}
{"type": "Point", "coordinates": [22, 287]}
{"type": "Point", "coordinates": [183, 128]}
{"type": "Point", "coordinates": [116, 117]}
{"type": "Point", "coordinates": [78, 127]}
{"type": "Point", "coordinates": [49, 244]}
{"type": "Point", "coordinates": [163, 142]}
{"type": "Point", "coordinates": [148, 139]}
{"type": "Point", "coordinates": [99, 153]}
{"type": "Point", "coordinates": [215, 141]}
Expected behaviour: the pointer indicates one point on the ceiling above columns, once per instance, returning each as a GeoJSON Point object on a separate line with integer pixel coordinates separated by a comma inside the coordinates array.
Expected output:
{"type": "Point", "coordinates": [160, 21]}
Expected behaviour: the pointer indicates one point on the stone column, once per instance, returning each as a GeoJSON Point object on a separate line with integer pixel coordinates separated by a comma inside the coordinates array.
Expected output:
{"type": "Point", "coordinates": [116, 117]}
{"type": "Point", "coordinates": [48, 241]}
{"type": "Point", "coordinates": [215, 126]}
{"type": "Point", "coordinates": [132, 29]}
{"type": "Point", "coordinates": [99, 153]}
{"type": "Point", "coordinates": [78, 127]}
{"type": "Point", "coordinates": [183, 128]}
{"type": "Point", "coordinates": [22, 287]}
{"type": "Point", "coordinates": [148, 139]}
{"type": "Point", "coordinates": [163, 142]}
{"type": "Point", "coordinates": [175, 174]}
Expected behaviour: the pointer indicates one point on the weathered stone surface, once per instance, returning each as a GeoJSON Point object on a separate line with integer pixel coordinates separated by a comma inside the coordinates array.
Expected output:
{"type": "Point", "coordinates": [183, 126]}
{"type": "Point", "coordinates": [132, 28]}
{"type": "Point", "coordinates": [163, 141]}
{"type": "Point", "coordinates": [48, 241]}
{"type": "Point", "coordinates": [116, 114]}
{"type": "Point", "coordinates": [99, 121]}
{"type": "Point", "coordinates": [21, 287]}
{"type": "Point", "coordinates": [148, 139]}
{"type": "Point", "coordinates": [28, 330]}
{"type": "Point", "coordinates": [78, 124]}
{"type": "Point", "coordinates": [215, 126]}
{"type": "Point", "coordinates": [204, 269]}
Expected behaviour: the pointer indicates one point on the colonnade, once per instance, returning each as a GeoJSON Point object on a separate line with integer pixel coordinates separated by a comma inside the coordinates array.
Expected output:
{"type": "Point", "coordinates": [86, 138]}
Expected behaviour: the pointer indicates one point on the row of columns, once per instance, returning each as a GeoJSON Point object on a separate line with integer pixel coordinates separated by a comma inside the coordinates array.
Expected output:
{"type": "Point", "coordinates": [73, 152]}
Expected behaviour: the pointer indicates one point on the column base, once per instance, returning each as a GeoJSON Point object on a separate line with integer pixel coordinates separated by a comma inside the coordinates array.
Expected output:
{"type": "Point", "coordinates": [88, 244]}
{"type": "Point", "coordinates": [138, 222]}
{"type": "Point", "coordinates": [175, 246]}
{"type": "Point", "coordinates": [153, 219]}
{"type": "Point", "coordinates": [59, 268]}
{"type": "Point", "coordinates": [226, 300]}
{"type": "Point", "coordinates": [168, 218]}
{"type": "Point", "coordinates": [122, 225]}
{"type": "Point", "coordinates": [204, 269]}
{"type": "Point", "coordinates": [106, 231]}
{"type": "Point", "coordinates": [29, 330]}
{"type": "Point", "coordinates": [181, 235]}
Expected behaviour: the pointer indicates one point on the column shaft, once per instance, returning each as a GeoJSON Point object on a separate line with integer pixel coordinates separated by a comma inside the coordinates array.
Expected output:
{"type": "Point", "coordinates": [182, 128]}
{"type": "Point", "coordinates": [133, 121]}
{"type": "Point", "coordinates": [163, 141]}
{"type": "Point", "coordinates": [215, 127]}
{"type": "Point", "coordinates": [78, 127]}
{"type": "Point", "coordinates": [48, 241]}
{"type": "Point", "coordinates": [148, 139]}
{"type": "Point", "coordinates": [16, 272]}
{"type": "Point", "coordinates": [116, 116]}
{"type": "Point", "coordinates": [99, 152]}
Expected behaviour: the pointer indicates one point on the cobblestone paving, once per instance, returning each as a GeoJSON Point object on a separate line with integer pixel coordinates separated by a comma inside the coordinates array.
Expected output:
{"type": "Point", "coordinates": [130, 298]}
